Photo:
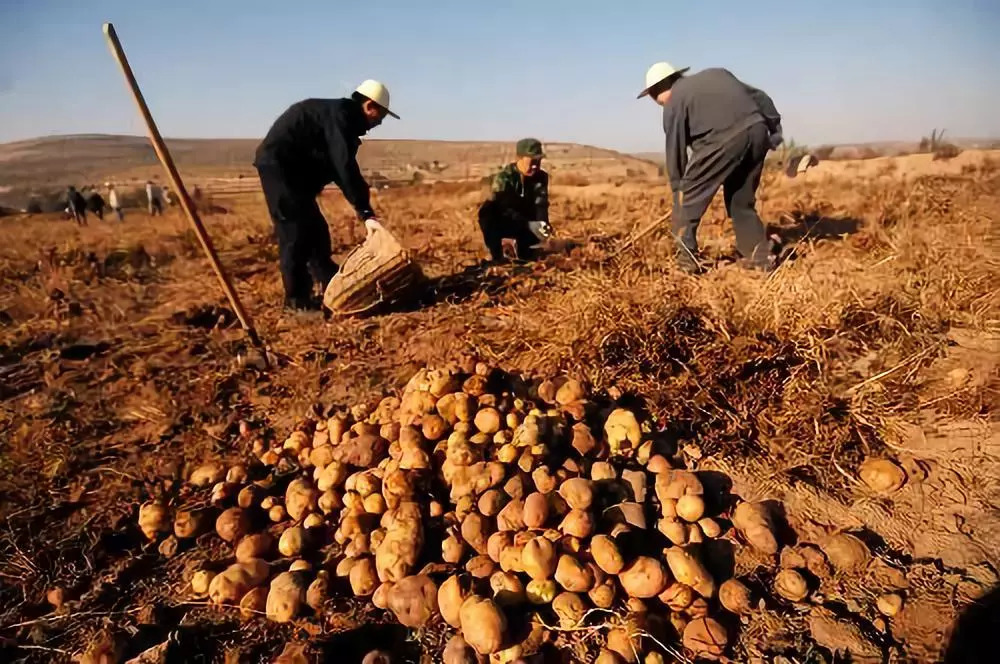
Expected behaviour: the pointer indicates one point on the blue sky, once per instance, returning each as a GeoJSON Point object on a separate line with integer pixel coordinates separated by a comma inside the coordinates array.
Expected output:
{"type": "Point", "coordinates": [562, 70]}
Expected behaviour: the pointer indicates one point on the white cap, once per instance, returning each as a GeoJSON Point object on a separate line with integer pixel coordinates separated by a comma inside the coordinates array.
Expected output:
{"type": "Point", "coordinates": [659, 72]}
{"type": "Point", "coordinates": [377, 92]}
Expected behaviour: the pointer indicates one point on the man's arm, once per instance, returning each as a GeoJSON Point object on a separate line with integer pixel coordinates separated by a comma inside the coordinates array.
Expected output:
{"type": "Point", "coordinates": [676, 145]}
{"type": "Point", "coordinates": [766, 106]}
{"type": "Point", "coordinates": [345, 166]}
{"type": "Point", "coordinates": [541, 198]}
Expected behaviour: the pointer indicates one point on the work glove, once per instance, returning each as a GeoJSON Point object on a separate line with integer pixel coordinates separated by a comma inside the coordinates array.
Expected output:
{"type": "Point", "coordinates": [372, 224]}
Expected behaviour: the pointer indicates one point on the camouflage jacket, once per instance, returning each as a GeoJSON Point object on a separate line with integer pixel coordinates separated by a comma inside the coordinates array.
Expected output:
{"type": "Point", "coordinates": [524, 197]}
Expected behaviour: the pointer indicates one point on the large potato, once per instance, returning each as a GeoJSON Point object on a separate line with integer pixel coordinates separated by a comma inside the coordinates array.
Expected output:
{"type": "Point", "coordinates": [606, 554]}
{"type": "Point", "coordinates": [450, 596]}
{"type": "Point", "coordinates": [690, 508]}
{"type": "Point", "coordinates": [491, 502]}
{"type": "Point", "coordinates": [286, 596]}
{"type": "Point", "coordinates": [511, 517]}
{"type": "Point", "coordinates": [578, 493]}
{"type": "Point", "coordinates": [413, 600]}
{"type": "Point", "coordinates": [847, 552]}
{"type": "Point", "coordinates": [508, 590]}
{"type": "Point", "coordinates": [153, 519]}
{"type": "Point", "coordinates": [687, 569]}
{"type": "Point", "coordinates": [229, 586]}
{"type": "Point", "coordinates": [459, 652]}
{"type": "Point", "coordinates": [480, 567]}
{"type": "Point", "coordinates": [603, 594]}
{"type": "Point", "coordinates": [332, 476]}
{"type": "Point", "coordinates": [622, 431]}
{"type": "Point", "coordinates": [569, 609]}
{"type": "Point", "coordinates": [232, 524]}
{"type": "Point", "coordinates": [791, 585]}
{"type": "Point", "coordinates": [318, 591]}
{"type": "Point", "coordinates": [882, 475]}
{"type": "Point", "coordinates": [259, 545]}
{"type": "Point", "coordinates": [734, 596]}
{"type": "Point", "coordinates": [484, 625]}
{"type": "Point", "coordinates": [705, 636]}
{"type": "Point", "coordinates": [363, 577]}
{"type": "Point", "coordinates": [644, 577]}
{"type": "Point", "coordinates": [754, 521]}
{"type": "Point", "coordinates": [207, 474]}
{"type": "Point", "coordinates": [536, 510]}
{"type": "Point", "coordinates": [677, 596]}
{"type": "Point", "coordinates": [254, 602]}
{"type": "Point", "coordinates": [497, 542]}
{"type": "Point", "coordinates": [190, 523]}
{"type": "Point", "coordinates": [539, 558]}
{"type": "Point", "coordinates": [292, 541]}
{"type": "Point", "coordinates": [572, 575]}
{"type": "Point", "coordinates": [578, 523]}
{"type": "Point", "coordinates": [476, 531]}
{"type": "Point", "coordinates": [488, 421]}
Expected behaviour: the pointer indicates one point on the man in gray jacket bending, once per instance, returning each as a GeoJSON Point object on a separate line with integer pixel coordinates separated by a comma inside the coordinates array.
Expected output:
{"type": "Point", "coordinates": [729, 127]}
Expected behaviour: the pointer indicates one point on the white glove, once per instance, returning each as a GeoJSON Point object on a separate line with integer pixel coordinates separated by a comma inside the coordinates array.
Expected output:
{"type": "Point", "coordinates": [540, 229]}
{"type": "Point", "coordinates": [372, 224]}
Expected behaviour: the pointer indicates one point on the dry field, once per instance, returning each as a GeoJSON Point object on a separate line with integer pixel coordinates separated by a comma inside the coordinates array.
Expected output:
{"type": "Point", "coordinates": [878, 338]}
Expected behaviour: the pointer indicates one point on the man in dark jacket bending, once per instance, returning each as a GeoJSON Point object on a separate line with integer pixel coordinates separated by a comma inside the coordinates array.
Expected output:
{"type": "Point", "coordinates": [313, 143]}
{"type": "Point", "coordinates": [729, 127]}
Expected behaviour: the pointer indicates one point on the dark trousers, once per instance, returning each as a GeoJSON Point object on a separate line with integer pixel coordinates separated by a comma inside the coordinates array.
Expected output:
{"type": "Point", "coordinates": [302, 233]}
{"type": "Point", "coordinates": [498, 224]}
{"type": "Point", "coordinates": [736, 166]}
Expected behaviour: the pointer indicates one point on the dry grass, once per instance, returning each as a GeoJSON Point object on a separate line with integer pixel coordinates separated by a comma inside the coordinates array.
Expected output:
{"type": "Point", "coordinates": [117, 375]}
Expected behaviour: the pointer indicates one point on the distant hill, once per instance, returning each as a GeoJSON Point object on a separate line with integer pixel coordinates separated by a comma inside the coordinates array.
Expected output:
{"type": "Point", "coordinates": [54, 162]}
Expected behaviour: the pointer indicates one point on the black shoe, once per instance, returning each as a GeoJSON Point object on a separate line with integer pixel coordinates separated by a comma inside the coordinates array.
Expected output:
{"type": "Point", "coordinates": [688, 263]}
{"type": "Point", "coordinates": [299, 304]}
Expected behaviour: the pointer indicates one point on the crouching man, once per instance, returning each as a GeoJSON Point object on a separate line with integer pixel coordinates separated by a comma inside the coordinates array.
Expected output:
{"type": "Point", "coordinates": [517, 212]}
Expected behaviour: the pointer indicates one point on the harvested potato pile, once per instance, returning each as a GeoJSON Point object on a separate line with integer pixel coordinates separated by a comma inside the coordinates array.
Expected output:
{"type": "Point", "coordinates": [485, 501]}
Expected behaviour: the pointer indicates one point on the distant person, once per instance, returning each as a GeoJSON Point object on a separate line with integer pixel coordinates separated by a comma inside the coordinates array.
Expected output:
{"type": "Point", "coordinates": [729, 126]}
{"type": "Point", "coordinates": [114, 202]}
{"type": "Point", "coordinates": [76, 205]}
{"type": "Point", "coordinates": [95, 204]}
{"type": "Point", "coordinates": [165, 194]}
{"type": "Point", "coordinates": [313, 143]}
{"type": "Point", "coordinates": [517, 212]}
{"type": "Point", "coordinates": [153, 198]}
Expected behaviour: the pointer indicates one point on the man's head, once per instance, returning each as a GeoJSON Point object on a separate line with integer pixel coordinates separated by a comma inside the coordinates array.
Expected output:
{"type": "Point", "coordinates": [374, 100]}
{"type": "Point", "coordinates": [660, 79]}
{"type": "Point", "coordinates": [529, 155]}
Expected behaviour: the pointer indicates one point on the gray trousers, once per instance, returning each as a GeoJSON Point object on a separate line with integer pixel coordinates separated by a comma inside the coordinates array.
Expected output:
{"type": "Point", "coordinates": [736, 166]}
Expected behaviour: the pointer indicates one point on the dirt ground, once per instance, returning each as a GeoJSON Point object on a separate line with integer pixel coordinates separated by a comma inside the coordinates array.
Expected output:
{"type": "Point", "coordinates": [120, 370]}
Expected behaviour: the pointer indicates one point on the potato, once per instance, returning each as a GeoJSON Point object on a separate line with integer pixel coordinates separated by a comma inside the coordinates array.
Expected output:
{"type": "Point", "coordinates": [232, 583]}
{"type": "Point", "coordinates": [791, 585]}
{"type": "Point", "coordinates": [624, 645]}
{"type": "Point", "coordinates": [313, 521]}
{"type": "Point", "coordinates": [882, 475]}
{"type": "Point", "coordinates": [232, 524]}
{"type": "Point", "coordinates": [496, 543]}
{"type": "Point", "coordinates": [374, 504]}
{"type": "Point", "coordinates": [507, 454]}
{"type": "Point", "coordinates": [491, 502]}
{"type": "Point", "coordinates": [300, 499]}
{"type": "Point", "coordinates": [583, 440]}
{"type": "Point", "coordinates": [677, 596]}
{"type": "Point", "coordinates": [690, 508]}
{"type": "Point", "coordinates": [343, 569]}
{"type": "Point", "coordinates": [847, 552]}
{"type": "Point", "coordinates": [433, 427]}
{"type": "Point", "coordinates": [484, 625]}
{"type": "Point", "coordinates": [668, 507]}
{"type": "Point", "coordinates": [674, 530]}
{"type": "Point", "coordinates": [687, 569]}
{"type": "Point", "coordinates": [413, 600]}
{"type": "Point", "coordinates": [296, 441]}
{"type": "Point", "coordinates": [259, 545]}
{"type": "Point", "coordinates": [292, 542]}
{"type": "Point", "coordinates": [201, 581]}
{"type": "Point", "coordinates": [357, 547]}
{"type": "Point", "coordinates": [321, 456]}
{"type": "Point", "coordinates": [363, 577]}
{"type": "Point", "coordinates": [709, 527]}
{"type": "Point", "coordinates": [734, 597]}
{"type": "Point", "coordinates": [605, 553]}
{"type": "Point", "coordinates": [398, 551]}
{"type": "Point", "coordinates": [221, 493]}
{"type": "Point", "coordinates": [249, 496]}
{"type": "Point", "coordinates": [364, 451]}
{"type": "Point", "coordinates": [888, 604]}
{"type": "Point", "coordinates": [488, 421]}
{"type": "Point", "coordinates": [573, 575]}
{"type": "Point", "coordinates": [153, 519]}
{"type": "Point", "coordinates": [705, 636]}
{"type": "Point", "coordinates": [578, 523]}
{"type": "Point", "coordinates": [603, 594]}
{"type": "Point", "coordinates": [380, 598]}
{"type": "Point", "coordinates": [511, 558]}
{"type": "Point", "coordinates": [694, 534]}
{"type": "Point", "coordinates": [539, 591]}
{"type": "Point", "coordinates": [536, 510]}
{"type": "Point", "coordinates": [300, 566]}
{"type": "Point", "coordinates": [508, 590]}
{"type": "Point", "coordinates": [475, 531]}
{"type": "Point", "coordinates": [622, 431]}
{"type": "Point", "coordinates": [539, 558]}
{"type": "Point", "coordinates": [602, 471]}
{"type": "Point", "coordinates": [569, 609]}
{"type": "Point", "coordinates": [450, 596]}
{"type": "Point", "coordinates": [644, 577]}
{"type": "Point", "coordinates": [270, 458]}
{"type": "Point", "coordinates": [577, 492]}
{"type": "Point", "coordinates": [368, 483]}
{"type": "Point", "coordinates": [286, 597]}
{"type": "Point", "coordinates": [254, 602]}
{"type": "Point", "coordinates": [754, 521]}
{"type": "Point", "coordinates": [543, 479]}
{"type": "Point", "coordinates": [511, 517]}
{"type": "Point", "coordinates": [698, 608]}
{"type": "Point", "coordinates": [606, 656]}
{"type": "Point", "coordinates": [480, 567]}
{"type": "Point", "coordinates": [457, 651]}
{"type": "Point", "coordinates": [277, 514]}
{"type": "Point", "coordinates": [475, 386]}
{"type": "Point", "coordinates": [452, 549]}
{"type": "Point", "coordinates": [190, 523]}
{"type": "Point", "coordinates": [207, 474]}
{"type": "Point", "coordinates": [332, 477]}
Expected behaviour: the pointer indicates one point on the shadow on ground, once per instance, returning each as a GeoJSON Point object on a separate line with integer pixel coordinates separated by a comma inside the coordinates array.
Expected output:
{"type": "Point", "coordinates": [975, 633]}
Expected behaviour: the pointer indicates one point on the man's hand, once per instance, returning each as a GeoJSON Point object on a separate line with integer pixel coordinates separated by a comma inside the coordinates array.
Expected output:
{"type": "Point", "coordinates": [541, 229]}
{"type": "Point", "coordinates": [372, 224]}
